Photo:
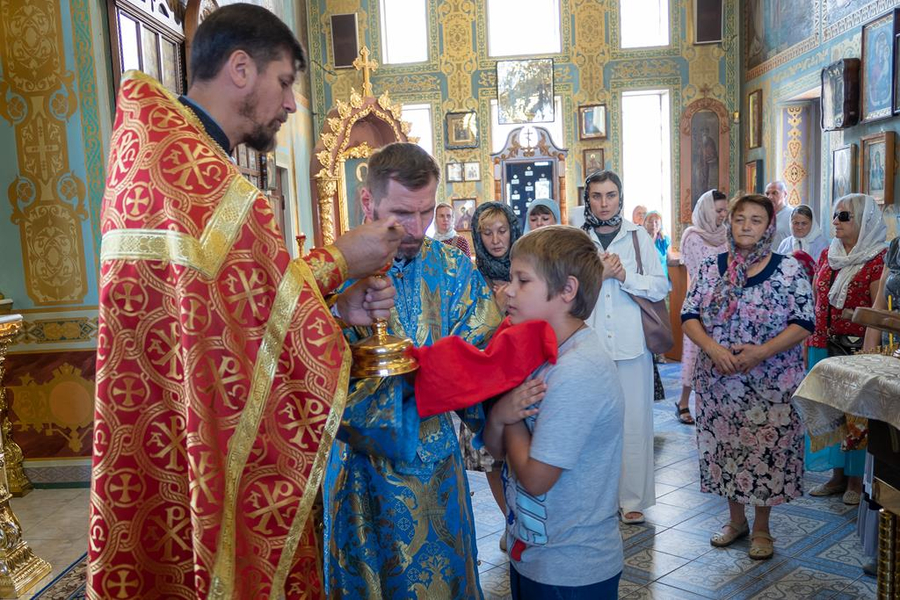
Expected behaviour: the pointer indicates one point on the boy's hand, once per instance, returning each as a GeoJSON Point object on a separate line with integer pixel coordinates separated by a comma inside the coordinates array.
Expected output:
{"type": "Point", "coordinates": [513, 406]}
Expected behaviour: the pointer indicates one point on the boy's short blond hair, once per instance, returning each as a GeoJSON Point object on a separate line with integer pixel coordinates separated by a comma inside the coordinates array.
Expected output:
{"type": "Point", "coordinates": [560, 251]}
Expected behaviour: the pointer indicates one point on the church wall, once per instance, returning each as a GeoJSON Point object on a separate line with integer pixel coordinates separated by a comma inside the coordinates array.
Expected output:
{"type": "Point", "coordinates": [785, 61]}
{"type": "Point", "coordinates": [56, 108]}
{"type": "Point", "coordinates": [54, 127]}
{"type": "Point", "coordinates": [591, 69]}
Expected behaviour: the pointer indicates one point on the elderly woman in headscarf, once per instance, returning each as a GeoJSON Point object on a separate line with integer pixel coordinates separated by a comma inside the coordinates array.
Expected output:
{"type": "Point", "coordinates": [542, 212]}
{"type": "Point", "coordinates": [617, 320]}
{"type": "Point", "coordinates": [495, 229]}
{"type": "Point", "coordinates": [748, 310]}
{"type": "Point", "coordinates": [848, 276]}
{"type": "Point", "coordinates": [805, 235]}
{"type": "Point", "coordinates": [704, 238]}
{"type": "Point", "coordinates": [444, 230]}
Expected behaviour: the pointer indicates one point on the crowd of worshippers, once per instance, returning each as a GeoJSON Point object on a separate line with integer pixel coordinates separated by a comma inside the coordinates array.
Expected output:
{"type": "Point", "coordinates": [544, 331]}
{"type": "Point", "coordinates": [765, 301]}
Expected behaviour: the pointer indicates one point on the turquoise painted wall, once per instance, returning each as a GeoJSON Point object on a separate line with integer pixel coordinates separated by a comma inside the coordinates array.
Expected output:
{"type": "Point", "coordinates": [786, 65]}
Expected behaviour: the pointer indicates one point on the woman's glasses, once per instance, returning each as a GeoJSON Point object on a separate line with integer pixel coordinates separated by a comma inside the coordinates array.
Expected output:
{"type": "Point", "coordinates": [842, 216]}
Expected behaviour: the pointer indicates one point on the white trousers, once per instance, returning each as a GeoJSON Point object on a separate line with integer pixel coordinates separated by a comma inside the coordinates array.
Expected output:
{"type": "Point", "coordinates": [636, 484]}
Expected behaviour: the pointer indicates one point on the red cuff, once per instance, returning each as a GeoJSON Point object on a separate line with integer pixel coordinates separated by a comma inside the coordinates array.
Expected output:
{"type": "Point", "coordinates": [453, 374]}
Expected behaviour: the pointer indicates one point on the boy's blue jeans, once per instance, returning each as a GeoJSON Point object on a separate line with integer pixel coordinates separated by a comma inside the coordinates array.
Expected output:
{"type": "Point", "coordinates": [523, 588]}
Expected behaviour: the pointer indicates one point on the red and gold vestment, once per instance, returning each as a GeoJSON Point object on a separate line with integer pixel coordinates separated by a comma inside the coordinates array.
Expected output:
{"type": "Point", "coordinates": [221, 375]}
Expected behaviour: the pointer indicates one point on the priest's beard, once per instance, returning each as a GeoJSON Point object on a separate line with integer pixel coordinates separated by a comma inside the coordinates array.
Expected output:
{"type": "Point", "coordinates": [262, 137]}
{"type": "Point", "coordinates": [409, 245]}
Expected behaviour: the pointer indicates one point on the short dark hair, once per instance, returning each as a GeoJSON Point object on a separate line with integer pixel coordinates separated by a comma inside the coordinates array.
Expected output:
{"type": "Point", "coordinates": [560, 251]}
{"type": "Point", "coordinates": [717, 195]}
{"type": "Point", "coordinates": [757, 199]}
{"type": "Point", "coordinates": [600, 177]}
{"type": "Point", "coordinates": [253, 29]}
{"type": "Point", "coordinates": [407, 164]}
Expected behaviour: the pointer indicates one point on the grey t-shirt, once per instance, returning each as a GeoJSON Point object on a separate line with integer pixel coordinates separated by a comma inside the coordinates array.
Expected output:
{"type": "Point", "coordinates": [571, 533]}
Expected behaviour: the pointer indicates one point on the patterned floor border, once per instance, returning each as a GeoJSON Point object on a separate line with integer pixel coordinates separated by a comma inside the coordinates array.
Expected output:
{"type": "Point", "coordinates": [68, 585]}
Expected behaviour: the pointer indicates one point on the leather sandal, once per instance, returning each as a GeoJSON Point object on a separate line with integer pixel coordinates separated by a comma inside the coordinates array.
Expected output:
{"type": "Point", "coordinates": [684, 415]}
{"type": "Point", "coordinates": [722, 539]}
{"type": "Point", "coordinates": [762, 546]}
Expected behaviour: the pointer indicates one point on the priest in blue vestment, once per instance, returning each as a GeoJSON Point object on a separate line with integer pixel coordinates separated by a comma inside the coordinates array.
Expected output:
{"type": "Point", "coordinates": [398, 519]}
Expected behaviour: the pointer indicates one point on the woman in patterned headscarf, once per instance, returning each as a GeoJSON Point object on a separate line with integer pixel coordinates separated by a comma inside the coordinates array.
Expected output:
{"type": "Point", "coordinates": [748, 310]}
{"type": "Point", "coordinates": [848, 276]}
{"type": "Point", "coordinates": [495, 229]}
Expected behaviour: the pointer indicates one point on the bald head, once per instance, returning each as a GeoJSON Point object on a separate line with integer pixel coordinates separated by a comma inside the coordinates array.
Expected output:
{"type": "Point", "coordinates": [776, 191]}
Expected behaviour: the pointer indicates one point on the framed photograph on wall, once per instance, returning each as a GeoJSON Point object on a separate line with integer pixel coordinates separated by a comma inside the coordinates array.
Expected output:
{"type": "Point", "coordinates": [840, 94]}
{"type": "Point", "coordinates": [593, 160]}
{"type": "Point", "coordinates": [753, 176]}
{"type": "Point", "coordinates": [461, 130]}
{"type": "Point", "coordinates": [592, 122]}
{"type": "Point", "coordinates": [754, 123]}
{"type": "Point", "coordinates": [472, 171]}
{"type": "Point", "coordinates": [843, 172]}
{"type": "Point", "coordinates": [877, 78]}
{"type": "Point", "coordinates": [462, 211]}
{"type": "Point", "coordinates": [876, 166]}
{"type": "Point", "coordinates": [454, 172]}
{"type": "Point", "coordinates": [525, 91]}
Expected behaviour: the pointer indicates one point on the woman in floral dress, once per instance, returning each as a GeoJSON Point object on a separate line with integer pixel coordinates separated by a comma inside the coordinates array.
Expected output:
{"type": "Point", "coordinates": [748, 310]}
{"type": "Point", "coordinates": [704, 238]}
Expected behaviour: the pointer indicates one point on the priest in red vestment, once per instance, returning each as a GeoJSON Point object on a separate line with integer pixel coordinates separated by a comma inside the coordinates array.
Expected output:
{"type": "Point", "coordinates": [221, 371]}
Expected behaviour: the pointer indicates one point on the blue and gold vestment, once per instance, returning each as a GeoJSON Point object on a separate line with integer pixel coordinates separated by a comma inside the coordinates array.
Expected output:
{"type": "Point", "coordinates": [398, 520]}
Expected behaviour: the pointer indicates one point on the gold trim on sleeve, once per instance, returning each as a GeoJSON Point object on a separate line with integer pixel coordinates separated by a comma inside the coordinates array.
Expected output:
{"type": "Point", "coordinates": [340, 260]}
{"type": "Point", "coordinates": [206, 254]}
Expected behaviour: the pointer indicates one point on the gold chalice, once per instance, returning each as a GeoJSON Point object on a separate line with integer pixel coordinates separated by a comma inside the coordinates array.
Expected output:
{"type": "Point", "coordinates": [382, 354]}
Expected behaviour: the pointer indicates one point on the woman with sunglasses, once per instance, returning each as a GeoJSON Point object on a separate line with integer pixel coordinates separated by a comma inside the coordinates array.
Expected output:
{"type": "Point", "coordinates": [848, 274]}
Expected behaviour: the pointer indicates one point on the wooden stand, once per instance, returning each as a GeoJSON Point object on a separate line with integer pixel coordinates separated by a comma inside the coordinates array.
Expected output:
{"type": "Point", "coordinates": [20, 569]}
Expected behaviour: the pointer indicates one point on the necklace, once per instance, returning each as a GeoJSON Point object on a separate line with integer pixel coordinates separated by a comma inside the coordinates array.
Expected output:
{"type": "Point", "coordinates": [568, 337]}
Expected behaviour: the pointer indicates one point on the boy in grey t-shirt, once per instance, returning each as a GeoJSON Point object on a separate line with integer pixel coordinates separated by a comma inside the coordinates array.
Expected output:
{"type": "Point", "coordinates": [564, 454]}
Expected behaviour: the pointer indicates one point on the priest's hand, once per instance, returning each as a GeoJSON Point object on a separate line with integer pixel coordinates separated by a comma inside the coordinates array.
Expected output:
{"type": "Point", "coordinates": [370, 246]}
{"type": "Point", "coordinates": [366, 300]}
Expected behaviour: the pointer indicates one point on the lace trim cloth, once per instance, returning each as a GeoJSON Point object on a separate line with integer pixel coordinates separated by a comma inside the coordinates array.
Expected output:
{"type": "Point", "coordinates": [864, 385]}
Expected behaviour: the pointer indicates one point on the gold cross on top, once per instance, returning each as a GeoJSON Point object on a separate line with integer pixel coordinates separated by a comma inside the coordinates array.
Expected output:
{"type": "Point", "coordinates": [362, 63]}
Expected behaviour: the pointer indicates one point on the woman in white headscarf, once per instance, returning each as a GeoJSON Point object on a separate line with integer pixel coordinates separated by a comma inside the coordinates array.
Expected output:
{"type": "Point", "coordinates": [805, 235]}
{"type": "Point", "coordinates": [444, 230]}
{"type": "Point", "coordinates": [848, 276]}
{"type": "Point", "coordinates": [707, 236]}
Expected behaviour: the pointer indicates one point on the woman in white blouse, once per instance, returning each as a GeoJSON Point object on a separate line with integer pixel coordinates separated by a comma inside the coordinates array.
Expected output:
{"type": "Point", "coordinates": [805, 235]}
{"type": "Point", "coordinates": [617, 320]}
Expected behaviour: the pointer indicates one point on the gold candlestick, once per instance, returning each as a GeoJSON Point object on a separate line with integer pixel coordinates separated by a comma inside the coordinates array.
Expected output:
{"type": "Point", "coordinates": [20, 569]}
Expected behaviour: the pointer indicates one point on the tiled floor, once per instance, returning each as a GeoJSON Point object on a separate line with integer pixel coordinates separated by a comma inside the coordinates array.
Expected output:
{"type": "Point", "coordinates": [54, 523]}
{"type": "Point", "coordinates": [817, 553]}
